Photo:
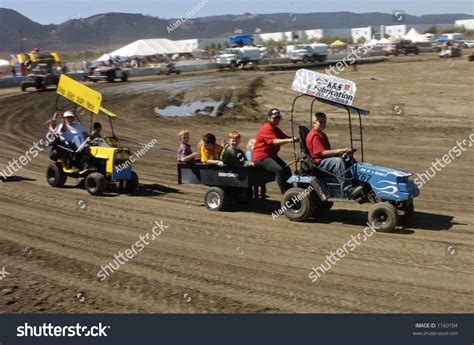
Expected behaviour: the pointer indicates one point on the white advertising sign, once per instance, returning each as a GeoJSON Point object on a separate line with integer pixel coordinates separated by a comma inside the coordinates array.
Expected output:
{"type": "Point", "coordinates": [324, 86]}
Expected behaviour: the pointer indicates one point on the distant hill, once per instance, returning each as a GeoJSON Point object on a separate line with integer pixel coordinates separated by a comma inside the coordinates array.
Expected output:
{"type": "Point", "coordinates": [16, 29]}
{"type": "Point", "coordinates": [113, 29]}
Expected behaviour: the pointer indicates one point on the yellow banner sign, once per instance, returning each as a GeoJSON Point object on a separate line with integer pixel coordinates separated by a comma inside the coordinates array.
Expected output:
{"type": "Point", "coordinates": [80, 94]}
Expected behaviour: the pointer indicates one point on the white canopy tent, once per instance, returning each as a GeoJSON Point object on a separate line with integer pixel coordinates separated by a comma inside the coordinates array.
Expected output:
{"type": "Point", "coordinates": [147, 47]}
{"type": "Point", "coordinates": [416, 37]}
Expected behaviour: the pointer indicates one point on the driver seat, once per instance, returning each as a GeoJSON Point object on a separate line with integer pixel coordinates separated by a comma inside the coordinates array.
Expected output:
{"type": "Point", "coordinates": [308, 166]}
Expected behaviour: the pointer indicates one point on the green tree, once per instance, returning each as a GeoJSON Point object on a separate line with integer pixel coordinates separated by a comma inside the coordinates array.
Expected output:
{"type": "Point", "coordinates": [461, 29]}
{"type": "Point", "coordinates": [433, 29]}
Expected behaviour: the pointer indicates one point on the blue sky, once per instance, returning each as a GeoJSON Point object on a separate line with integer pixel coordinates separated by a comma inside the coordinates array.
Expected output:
{"type": "Point", "coordinates": [57, 11]}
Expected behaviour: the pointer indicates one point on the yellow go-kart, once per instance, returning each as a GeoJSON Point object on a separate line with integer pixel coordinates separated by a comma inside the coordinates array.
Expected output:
{"type": "Point", "coordinates": [107, 162]}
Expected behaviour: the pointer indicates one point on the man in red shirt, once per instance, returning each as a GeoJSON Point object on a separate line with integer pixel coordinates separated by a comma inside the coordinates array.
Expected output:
{"type": "Point", "coordinates": [320, 150]}
{"type": "Point", "coordinates": [267, 145]}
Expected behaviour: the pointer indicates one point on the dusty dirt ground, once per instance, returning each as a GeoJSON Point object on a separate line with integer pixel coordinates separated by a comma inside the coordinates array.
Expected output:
{"type": "Point", "coordinates": [53, 241]}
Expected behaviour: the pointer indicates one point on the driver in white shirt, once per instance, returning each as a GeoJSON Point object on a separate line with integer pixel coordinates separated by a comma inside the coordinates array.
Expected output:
{"type": "Point", "coordinates": [73, 132]}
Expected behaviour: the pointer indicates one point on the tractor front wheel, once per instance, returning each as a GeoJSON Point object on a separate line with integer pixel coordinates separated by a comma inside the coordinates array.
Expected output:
{"type": "Point", "coordinates": [95, 183]}
{"type": "Point", "coordinates": [297, 205]}
{"type": "Point", "coordinates": [383, 217]}
{"type": "Point", "coordinates": [55, 175]}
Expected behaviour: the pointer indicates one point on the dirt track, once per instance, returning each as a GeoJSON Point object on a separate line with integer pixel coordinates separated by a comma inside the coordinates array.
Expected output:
{"type": "Point", "coordinates": [53, 241]}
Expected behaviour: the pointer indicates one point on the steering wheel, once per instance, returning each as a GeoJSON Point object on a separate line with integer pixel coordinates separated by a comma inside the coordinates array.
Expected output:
{"type": "Point", "coordinates": [347, 156]}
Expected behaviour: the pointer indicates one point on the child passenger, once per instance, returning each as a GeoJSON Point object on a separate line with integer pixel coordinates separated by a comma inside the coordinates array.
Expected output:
{"type": "Point", "coordinates": [232, 155]}
{"type": "Point", "coordinates": [250, 146]}
{"type": "Point", "coordinates": [259, 192]}
{"type": "Point", "coordinates": [210, 151]}
{"type": "Point", "coordinates": [185, 154]}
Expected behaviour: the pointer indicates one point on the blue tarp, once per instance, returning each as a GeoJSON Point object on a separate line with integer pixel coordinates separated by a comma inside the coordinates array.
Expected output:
{"type": "Point", "coordinates": [440, 39]}
{"type": "Point", "coordinates": [241, 40]}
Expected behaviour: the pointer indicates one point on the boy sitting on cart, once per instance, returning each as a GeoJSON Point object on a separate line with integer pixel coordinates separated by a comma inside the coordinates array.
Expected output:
{"type": "Point", "coordinates": [232, 155]}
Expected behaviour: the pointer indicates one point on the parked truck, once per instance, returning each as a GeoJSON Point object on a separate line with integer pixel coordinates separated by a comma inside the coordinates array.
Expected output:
{"type": "Point", "coordinates": [309, 53]}
{"type": "Point", "coordinates": [234, 58]}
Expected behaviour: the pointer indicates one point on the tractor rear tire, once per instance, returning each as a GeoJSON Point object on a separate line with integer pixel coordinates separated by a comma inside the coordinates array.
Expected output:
{"type": "Point", "coordinates": [95, 183]}
{"type": "Point", "coordinates": [383, 217]}
{"type": "Point", "coordinates": [300, 210]}
{"type": "Point", "coordinates": [55, 175]}
{"type": "Point", "coordinates": [215, 199]}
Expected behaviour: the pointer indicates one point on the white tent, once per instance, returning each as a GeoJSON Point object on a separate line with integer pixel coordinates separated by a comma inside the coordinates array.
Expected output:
{"type": "Point", "coordinates": [149, 47]}
{"type": "Point", "coordinates": [415, 37]}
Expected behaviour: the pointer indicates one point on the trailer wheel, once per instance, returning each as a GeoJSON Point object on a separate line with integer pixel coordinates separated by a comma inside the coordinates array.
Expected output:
{"type": "Point", "coordinates": [110, 78]}
{"type": "Point", "coordinates": [214, 199]}
{"type": "Point", "coordinates": [297, 205]}
{"type": "Point", "coordinates": [124, 77]}
{"type": "Point", "coordinates": [55, 175]}
{"type": "Point", "coordinates": [23, 86]}
{"type": "Point", "coordinates": [305, 59]}
{"type": "Point", "coordinates": [417, 51]}
{"type": "Point", "coordinates": [383, 217]}
{"type": "Point", "coordinates": [95, 183]}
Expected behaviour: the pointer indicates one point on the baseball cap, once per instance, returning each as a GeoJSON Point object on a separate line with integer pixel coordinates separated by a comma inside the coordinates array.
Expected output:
{"type": "Point", "coordinates": [68, 114]}
{"type": "Point", "coordinates": [274, 111]}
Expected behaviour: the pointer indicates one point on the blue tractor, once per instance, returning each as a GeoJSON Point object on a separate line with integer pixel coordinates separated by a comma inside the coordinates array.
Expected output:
{"type": "Point", "coordinates": [315, 190]}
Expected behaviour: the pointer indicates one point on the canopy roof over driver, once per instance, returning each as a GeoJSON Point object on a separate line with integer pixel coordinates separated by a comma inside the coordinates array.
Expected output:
{"type": "Point", "coordinates": [327, 89]}
{"type": "Point", "coordinates": [82, 95]}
